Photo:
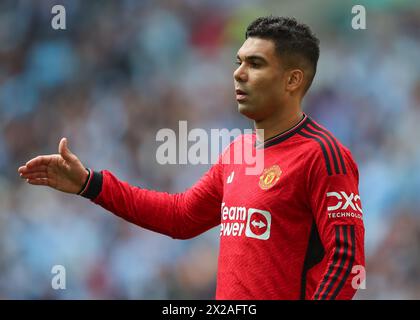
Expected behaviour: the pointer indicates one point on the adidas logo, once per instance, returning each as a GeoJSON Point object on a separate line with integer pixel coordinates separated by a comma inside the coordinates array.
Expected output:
{"type": "Point", "coordinates": [230, 178]}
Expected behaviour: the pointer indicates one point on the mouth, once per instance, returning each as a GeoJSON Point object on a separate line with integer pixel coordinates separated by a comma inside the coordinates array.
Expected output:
{"type": "Point", "coordinates": [240, 95]}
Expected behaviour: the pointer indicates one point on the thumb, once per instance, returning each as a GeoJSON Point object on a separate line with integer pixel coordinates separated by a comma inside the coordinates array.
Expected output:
{"type": "Point", "coordinates": [64, 150]}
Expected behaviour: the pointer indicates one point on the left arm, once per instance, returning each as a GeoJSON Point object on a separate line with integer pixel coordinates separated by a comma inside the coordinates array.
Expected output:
{"type": "Point", "coordinates": [337, 210]}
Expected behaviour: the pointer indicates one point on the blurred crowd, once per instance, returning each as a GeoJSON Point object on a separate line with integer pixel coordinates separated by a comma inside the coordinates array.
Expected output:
{"type": "Point", "coordinates": [122, 70]}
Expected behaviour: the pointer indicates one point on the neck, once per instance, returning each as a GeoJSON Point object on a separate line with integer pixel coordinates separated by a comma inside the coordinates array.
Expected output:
{"type": "Point", "coordinates": [278, 123]}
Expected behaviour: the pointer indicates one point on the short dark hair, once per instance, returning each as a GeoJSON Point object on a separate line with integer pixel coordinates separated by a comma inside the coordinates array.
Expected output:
{"type": "Point", "coordinates": [294, 42]}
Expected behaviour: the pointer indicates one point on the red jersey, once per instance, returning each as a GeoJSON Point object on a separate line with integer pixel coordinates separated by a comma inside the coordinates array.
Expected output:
{"type": "Point", "coordinates": [295, 231]}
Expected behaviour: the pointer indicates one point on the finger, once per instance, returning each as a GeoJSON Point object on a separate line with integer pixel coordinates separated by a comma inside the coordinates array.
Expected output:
{"type": "Point", "coordinates": [22, 169]}
{"type": "Point", "coordinates": [61, 145]}
{"type": "Point", "coordinates": [25, 169]}
{"type": "Point", "coordinates": [64, 150]}
{"type": "Point", "coordinates": [39, 161]}
{"type": "Point", "coordinates": [38, 182]}
{"type": "Point", "coordinates": [34, 175]}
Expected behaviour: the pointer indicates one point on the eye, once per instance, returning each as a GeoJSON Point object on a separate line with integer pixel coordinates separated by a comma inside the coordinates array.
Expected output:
{"type": "Point", "coordinates": [238, 62]}
{"type": "Point", "coordinates": [254, 65]}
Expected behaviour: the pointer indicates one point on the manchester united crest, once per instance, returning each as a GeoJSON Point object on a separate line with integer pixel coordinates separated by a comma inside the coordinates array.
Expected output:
{"type": "Point", "coordinates": [269, 177]}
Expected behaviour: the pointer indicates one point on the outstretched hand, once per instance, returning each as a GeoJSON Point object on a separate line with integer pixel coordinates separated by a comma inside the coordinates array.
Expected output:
{"type": "Point", "coordinates": [62, 171]}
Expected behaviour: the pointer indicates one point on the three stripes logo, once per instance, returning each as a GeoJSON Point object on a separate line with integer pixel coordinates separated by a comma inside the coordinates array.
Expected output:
{"type": "Point", "coordinates": [341, 266]}
{"type": "Point", "coordinates": [330, 149]}
{"type": "Point", "coordinates": [230, 177]}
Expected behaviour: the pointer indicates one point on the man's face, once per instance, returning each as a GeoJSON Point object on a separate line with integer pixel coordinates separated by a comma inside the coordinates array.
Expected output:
{"type": "Point", "coordinates": [259, 79]}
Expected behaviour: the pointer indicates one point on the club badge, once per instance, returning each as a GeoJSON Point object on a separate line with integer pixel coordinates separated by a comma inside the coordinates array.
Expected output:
{"type": "Point", "coordinates": [269, 177]}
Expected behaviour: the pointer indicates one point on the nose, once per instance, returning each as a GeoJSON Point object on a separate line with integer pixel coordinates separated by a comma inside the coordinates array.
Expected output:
{"type": "Point", "coordinates": [240, 74]}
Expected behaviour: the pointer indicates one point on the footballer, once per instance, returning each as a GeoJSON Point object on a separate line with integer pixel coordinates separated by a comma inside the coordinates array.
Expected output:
{"type": "Point", "coordinates": [296, 230]}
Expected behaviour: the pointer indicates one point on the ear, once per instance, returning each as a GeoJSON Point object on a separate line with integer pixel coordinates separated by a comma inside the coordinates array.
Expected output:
{"type": "Point", "coordinates": [294, 80]}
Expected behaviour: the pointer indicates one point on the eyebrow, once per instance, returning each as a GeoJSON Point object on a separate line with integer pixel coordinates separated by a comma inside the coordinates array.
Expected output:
{"type": "Point", "coordinates": [252, 58]}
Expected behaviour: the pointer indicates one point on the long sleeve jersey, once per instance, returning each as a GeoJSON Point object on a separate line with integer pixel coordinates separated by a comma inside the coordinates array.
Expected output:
{"type": "Point", "coordinates": [294, 231]}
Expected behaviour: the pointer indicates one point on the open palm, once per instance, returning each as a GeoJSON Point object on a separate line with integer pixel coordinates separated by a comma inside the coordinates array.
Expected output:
{"type": "Point", "coordinates": [62, 171]}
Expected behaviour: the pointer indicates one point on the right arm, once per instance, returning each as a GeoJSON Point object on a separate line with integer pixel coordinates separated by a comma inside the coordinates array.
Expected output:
{"type": "Point", "coordinates": [181, 215]}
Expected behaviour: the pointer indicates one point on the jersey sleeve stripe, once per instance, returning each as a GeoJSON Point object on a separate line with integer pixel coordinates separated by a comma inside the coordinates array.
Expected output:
{"type": "Point", "coordinates": [316, 126]}
{"type": "Point", "coordinates": [345, 255]}
{"type": "Point", "coordinates": [346, 248]}
{"type": "Point", "coordinates": [335, 260]}
{"type": "Point", "coordinates": [324, 150]}
{"type": "Point", "coordinates": [321, 135]}
{"type": "Point", "coordinates": [350, 265]}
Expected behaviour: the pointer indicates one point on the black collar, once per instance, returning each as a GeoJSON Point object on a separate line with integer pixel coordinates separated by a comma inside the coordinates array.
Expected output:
{"type": "Point", "coordinates": [283, 135]}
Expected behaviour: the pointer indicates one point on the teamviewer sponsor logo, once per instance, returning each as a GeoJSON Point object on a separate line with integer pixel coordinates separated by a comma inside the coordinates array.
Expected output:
{"type": "Point", "coordinates": [258, 224]}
